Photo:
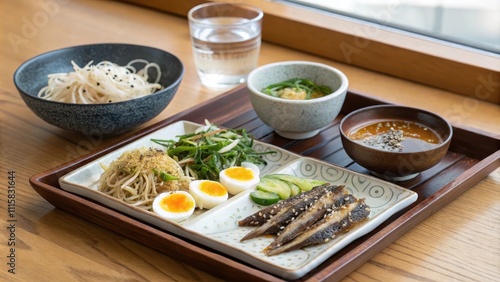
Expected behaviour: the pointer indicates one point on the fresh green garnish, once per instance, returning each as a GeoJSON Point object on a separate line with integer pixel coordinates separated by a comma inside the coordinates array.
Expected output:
{"type": "Point", "coordinates": [165, 176]}
{"type": "Point", "coordinates": [297, 84]}
{"type": "Point", "coordinates": [205, 153]}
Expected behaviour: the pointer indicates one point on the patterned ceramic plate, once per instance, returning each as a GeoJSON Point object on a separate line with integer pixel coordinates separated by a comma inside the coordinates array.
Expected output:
{"type": "Point", "coordinates": [218, 229]}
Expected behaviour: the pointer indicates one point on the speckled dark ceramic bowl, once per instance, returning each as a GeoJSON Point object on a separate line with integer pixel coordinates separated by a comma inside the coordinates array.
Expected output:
{"type": "Point", "coordinates": [100, 119]}
{"type": "Point", "coordinates": [395, 165]}
{"type": "Point", "coordinates": [297, 119]}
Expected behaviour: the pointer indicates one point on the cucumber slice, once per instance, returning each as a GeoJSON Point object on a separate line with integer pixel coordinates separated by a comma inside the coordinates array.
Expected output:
{"type": "Point", "coordinates": [294, 188]}
{"type": "Point", "coordinates": [264, 198]}
{"type": "Point", "coordinates": [270, 184]}
{"type": "Point", "coordinates": [285, 185]}
{"type": "Point", "coordinates": [305, 184]}
{"type": "Point", "coordinates": [315, 182]}
{"type": "Point", "coordinates": [302, 183]}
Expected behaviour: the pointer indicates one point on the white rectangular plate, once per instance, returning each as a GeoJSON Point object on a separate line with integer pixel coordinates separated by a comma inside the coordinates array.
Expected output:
{"type": "Point", "coordinates": [218, 228]}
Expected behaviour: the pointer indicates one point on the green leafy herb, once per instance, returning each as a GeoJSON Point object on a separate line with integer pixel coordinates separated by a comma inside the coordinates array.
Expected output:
{"type": "Point", "coordinates": [208, 151]}
{"type": "Point", "coordinates": [297, 84]}
{"type": "Point", "coordinates": [165, 176]}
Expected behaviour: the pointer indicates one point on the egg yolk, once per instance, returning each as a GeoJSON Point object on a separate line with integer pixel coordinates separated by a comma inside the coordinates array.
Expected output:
{"type": "Point", "coordinates": [240, 173]}
{"type": "Point", "coordinates": [212, 188]}
{"type": "Point", "coordinates": [176, 203]}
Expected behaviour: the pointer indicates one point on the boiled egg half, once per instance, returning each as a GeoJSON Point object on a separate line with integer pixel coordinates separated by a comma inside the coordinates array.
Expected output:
{"type": "Point", "coordinates": [240, 178]}
{"type": "Point", "coordinates": [207, 193]}
{"type": "Point", "coordinates": [175, 206]}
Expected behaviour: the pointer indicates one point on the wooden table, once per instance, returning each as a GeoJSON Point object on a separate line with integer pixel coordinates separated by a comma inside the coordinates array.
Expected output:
{"type": "Point", "coordinates": [461, 242]}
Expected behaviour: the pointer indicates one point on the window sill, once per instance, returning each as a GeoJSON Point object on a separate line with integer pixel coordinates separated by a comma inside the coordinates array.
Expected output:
{"type": "Point", "coordinates": [429, 62]}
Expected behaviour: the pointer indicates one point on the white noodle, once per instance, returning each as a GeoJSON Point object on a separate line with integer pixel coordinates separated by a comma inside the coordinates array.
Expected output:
{"type": "Point", "coordinates": [105, 82]}
{"type": "Point", "coordinates": [132, 177]}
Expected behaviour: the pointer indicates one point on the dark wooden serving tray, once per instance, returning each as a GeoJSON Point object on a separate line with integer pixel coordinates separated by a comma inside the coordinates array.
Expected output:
{"type": "Point", "coordinates": [472, 156]}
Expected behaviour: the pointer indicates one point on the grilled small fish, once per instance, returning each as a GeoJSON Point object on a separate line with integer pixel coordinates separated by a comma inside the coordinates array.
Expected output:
{"type": "Point", "coordinates": [341, 220]}
{"type": "Point", "coordinates": [287, 214]}
{"type": "Point", "coordinates": [320, 208]}
{"type": "Point", "coordinates": [262, 216]}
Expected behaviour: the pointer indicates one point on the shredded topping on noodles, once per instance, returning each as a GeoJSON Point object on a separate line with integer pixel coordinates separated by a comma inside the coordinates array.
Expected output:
{"type": "Point", "coordinates": [105, 82]}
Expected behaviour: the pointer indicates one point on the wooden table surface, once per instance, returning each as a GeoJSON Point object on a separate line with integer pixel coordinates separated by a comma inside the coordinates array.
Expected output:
{"type": "Point", "coordinates": [461, 242]}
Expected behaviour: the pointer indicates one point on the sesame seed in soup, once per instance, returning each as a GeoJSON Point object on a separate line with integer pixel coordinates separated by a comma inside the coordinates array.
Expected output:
{"type": "Point", "coordinates": [396, 136]}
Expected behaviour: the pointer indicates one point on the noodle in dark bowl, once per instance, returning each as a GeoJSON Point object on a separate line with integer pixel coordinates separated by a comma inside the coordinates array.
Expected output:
{"type": "Point", "coordinates": [101, 118]}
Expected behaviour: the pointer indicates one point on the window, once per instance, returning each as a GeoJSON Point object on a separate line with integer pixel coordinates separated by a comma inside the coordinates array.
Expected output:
{"type": "Point", "coordinates": [371, 46]}
{"type": "Point", "coordinates": [470, 23]}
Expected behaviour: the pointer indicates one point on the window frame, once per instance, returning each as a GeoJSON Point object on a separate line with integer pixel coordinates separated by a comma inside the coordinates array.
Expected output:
{"type": "Point", "coordinates": [372, 46]}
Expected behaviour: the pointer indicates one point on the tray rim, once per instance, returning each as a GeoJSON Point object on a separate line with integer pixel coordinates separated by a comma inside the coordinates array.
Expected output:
{"type": "Point", "coordinates": [336, 270]}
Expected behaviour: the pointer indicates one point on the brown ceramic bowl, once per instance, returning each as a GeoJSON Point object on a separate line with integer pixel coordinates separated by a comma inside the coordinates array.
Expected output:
{"type": "Point", "coordinates": [396, 165]}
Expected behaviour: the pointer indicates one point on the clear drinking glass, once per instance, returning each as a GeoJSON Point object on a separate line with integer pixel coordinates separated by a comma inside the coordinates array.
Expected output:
{"type": "Point", "coordinates": [226, 42]}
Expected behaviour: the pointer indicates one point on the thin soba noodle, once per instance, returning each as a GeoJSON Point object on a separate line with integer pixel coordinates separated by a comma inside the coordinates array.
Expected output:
{"type": "Point", "coordinates": [105, 82]}
{"type": "Point", "coordinates": [139, 175]}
